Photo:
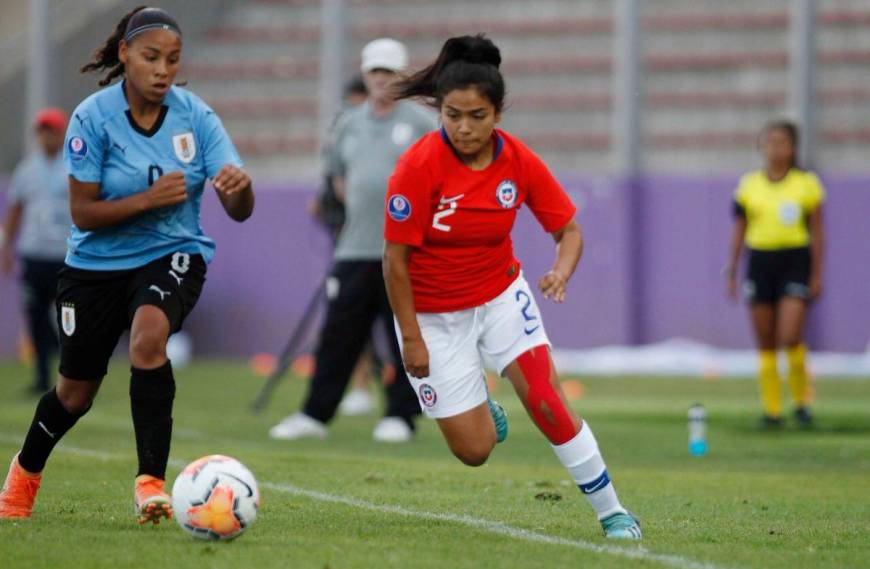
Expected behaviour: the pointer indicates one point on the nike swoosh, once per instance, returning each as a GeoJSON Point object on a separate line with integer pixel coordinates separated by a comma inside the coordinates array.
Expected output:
{"type": "Point", "coordinates": [445, 201]}
{"type": "Point", "coordinates": [47, 432]}
{"type": "Point", "coordinates": [530, 332]}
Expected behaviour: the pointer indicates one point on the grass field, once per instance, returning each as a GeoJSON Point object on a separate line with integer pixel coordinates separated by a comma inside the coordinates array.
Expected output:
{"type": "Point", "coordinates": [788, 499]}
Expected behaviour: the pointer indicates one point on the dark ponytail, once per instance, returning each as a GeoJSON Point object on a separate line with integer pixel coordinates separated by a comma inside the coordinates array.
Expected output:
{"type": "Point", "coordinates": [791, 131]}
{"type": "Point", "coordinates": [106, 56]}
{"type": "Point", "coordinates": [464, 61]}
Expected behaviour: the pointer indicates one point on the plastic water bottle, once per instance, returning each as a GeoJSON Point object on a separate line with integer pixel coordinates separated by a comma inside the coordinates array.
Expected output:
{"type": "Point", "coordinates": [697, 430]}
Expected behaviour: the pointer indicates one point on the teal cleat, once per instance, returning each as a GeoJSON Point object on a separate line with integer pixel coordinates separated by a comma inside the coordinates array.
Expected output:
{"type": "Point", "coordinates": [622, 526]}
{"type": "Point", "coordinates": [499, 417]}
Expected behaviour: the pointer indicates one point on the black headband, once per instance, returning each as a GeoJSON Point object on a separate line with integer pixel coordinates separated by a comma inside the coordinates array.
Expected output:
{"type": "Point", "coordinates": [150, 19]}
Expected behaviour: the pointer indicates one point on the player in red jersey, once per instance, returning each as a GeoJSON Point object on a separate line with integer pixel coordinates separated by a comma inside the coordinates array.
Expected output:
{"type": "Point", "coordinates": [456, 289]}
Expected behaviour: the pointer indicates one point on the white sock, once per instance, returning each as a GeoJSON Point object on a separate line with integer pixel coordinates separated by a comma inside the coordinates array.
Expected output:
{"type": "Point", "coordinates": [581, 457]}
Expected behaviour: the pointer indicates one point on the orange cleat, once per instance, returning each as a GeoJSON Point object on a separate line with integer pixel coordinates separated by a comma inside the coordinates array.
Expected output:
{"type": "Point", "coordinates": [19, 491]}
{"type": "Point", "coordinates": [152, 502]}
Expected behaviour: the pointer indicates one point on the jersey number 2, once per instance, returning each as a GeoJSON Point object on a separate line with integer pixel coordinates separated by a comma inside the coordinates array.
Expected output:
{"type": "Point", "coordinates": [532, 323]}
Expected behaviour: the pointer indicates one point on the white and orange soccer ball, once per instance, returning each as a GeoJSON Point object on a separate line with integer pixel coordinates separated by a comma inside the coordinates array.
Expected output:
{"type": "Point", "coordinates": [215, 497]}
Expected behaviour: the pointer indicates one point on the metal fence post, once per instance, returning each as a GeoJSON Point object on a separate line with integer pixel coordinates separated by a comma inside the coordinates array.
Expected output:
{"type": "Point", "coordinates": [39, 40]}
{"type": "Point", "coordinates": [332, 51]}
{"type": "Point", "coordinates": [628, 101]}
{"type": "Point", "coordinates": [802, 69]}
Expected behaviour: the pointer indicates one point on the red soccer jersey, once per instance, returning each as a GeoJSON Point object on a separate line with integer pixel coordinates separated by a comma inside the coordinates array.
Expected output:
{"type": "Point", "coordinates": [459, 220]}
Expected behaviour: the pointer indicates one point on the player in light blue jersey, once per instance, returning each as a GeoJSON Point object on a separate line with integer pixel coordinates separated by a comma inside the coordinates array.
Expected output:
{"type": "Point", "coordinates": [139, 153]}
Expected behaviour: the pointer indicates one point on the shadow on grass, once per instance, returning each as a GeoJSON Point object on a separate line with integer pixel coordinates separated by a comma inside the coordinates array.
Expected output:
{"type": "Point", "coordinates": [856, 427]}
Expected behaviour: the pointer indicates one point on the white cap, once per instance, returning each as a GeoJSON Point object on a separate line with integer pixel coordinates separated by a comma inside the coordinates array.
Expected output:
{"type": "Point", "coordinates": [384, 53]}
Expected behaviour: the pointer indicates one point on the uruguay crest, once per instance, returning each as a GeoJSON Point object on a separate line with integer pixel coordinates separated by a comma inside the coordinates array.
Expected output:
{"type": "Point", "coordinates": [68, 318]}
{"type": "Point", "coordinates": [184, 146]}
{"type": "Point", "coordinates": [506, 193]}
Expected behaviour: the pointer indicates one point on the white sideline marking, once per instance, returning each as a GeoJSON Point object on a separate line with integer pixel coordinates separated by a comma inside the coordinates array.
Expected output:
{"type": "Point", "coordinates": [488, 526]}
{"type": "Point", "coordinates": [496, 528]}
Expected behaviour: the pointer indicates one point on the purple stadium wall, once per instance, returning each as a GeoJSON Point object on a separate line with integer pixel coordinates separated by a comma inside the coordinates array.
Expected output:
{"type": "Point", "coordinates": [651, 270]}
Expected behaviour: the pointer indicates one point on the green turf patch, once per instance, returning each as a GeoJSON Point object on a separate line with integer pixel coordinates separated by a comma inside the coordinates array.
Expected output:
{"type": "Point", "coordinates": [786, 499]}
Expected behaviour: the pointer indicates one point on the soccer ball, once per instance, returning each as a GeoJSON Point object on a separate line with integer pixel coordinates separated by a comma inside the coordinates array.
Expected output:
{"type": "Point", "coordinates": [215, 497]}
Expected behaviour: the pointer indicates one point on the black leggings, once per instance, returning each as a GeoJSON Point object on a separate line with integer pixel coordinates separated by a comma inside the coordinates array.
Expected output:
{"type": "Point", "coordinates": [358, 298]}
{"type": "Point", "coordinates": [39, 289]}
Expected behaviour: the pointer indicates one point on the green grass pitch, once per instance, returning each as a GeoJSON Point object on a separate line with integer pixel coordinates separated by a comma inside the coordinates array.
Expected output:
{"type": "Point", "coordinates": [788, 499]}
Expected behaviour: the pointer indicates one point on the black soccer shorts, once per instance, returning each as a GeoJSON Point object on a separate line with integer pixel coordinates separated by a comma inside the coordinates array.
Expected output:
{"type": "Point", "coordinates": [95, 307]}
{"type": "Point", "coordinates": [773, 275]}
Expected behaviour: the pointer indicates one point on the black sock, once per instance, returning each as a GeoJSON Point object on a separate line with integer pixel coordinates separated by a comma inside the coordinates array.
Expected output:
{"type": "Point", "coordinates": [51, 421]}
{"type": "Point", "coordinates": [152, 392]}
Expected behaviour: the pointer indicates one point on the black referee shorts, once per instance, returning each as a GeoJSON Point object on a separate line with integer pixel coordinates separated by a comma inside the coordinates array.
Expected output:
{"type": "Point", "coordinates": [95, 307]}
{"type": "Point", "coordinates": [773, 275]}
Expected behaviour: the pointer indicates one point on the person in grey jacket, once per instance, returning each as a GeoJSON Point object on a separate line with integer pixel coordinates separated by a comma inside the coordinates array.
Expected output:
{"type": "Point", "coordinates": [367, 143]}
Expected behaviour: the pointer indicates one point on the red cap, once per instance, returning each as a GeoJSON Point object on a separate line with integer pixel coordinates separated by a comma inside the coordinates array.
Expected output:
{"type": "Point", "coordinates": [51, 117]}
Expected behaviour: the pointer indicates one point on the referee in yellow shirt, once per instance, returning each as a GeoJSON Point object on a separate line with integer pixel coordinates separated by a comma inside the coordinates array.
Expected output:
{"type": "Point", "coordinates": [778, 215]}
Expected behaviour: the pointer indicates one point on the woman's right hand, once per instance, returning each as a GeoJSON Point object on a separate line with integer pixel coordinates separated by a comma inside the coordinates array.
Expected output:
{"type": "Point", "coordinates": [416, 357]}
{"type": "Point", "coordinates": [169, 189]}
{"type": "Point", "coordinates": [732, 287]}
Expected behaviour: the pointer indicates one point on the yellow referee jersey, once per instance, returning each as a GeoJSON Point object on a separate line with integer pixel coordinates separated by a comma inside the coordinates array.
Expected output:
{"type": "Point", "coordinates": [776, 212]}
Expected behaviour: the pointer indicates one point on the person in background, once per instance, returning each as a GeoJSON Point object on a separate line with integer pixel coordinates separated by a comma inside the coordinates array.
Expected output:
{"type": "Point", "coordinates": [36, 228]}
{"type": "Point", "coordinates": [367, 143]}
{"type": "Point", "coordinates": [778, 215]}
{"type": "Point", "coordinates": [328, 209]}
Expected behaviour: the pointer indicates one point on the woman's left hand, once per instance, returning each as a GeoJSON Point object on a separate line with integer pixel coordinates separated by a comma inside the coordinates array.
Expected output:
{"type": "Point", "coordinates": [231, 180]}
{"type": "Point", "coordinates": [552, 285]}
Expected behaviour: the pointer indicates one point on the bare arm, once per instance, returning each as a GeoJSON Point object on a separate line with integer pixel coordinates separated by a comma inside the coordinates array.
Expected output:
{"type": "Point", "coordinates": [10, 233]}
{"type": "Point", "coordinates": [90, 212]}
{"type": "Point", "coordinates": [569, 249]}
{"type": "Point", "coordinates": [398, 283]}
{"type": "Point", "coordinates": [817, 248]}
{"type": "Point", "coordinates": [235, 191]}
{"type": "Point", "coordinates": [735, 249]}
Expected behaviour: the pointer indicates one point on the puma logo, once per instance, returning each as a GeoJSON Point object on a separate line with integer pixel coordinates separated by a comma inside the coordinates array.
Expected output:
{"type": "Point", "coordinates": [176, 277]}
{"type": "Point", "coordinates": [162, 293]}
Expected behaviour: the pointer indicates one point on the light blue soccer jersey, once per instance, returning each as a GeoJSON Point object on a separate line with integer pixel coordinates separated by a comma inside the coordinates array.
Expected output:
{"type": "Point", "coordinates": [103, 145]}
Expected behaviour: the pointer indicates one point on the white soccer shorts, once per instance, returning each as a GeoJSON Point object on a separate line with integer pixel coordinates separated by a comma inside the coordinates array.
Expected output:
{"type": "Point", "coordinates": [461, 342]}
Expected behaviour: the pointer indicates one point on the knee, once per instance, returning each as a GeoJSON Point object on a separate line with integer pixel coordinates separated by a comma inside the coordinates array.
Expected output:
{"type": "Point", "coordinates": [147, 349]}
{"type": "Point", "coordinates": [76, 401]}
{"type": "Point", "coordinates": [473, 455]}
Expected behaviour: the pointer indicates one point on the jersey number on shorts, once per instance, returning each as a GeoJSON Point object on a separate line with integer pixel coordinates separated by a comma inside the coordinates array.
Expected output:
{"type": "Point", "coordinates": [180, 262]}
{"type": "Point", "coordinates": [531, 320]}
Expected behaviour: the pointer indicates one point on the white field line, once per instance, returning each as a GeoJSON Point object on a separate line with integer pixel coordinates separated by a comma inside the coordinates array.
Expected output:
{"type": "Point", "coordinates": [498, 528]}
{"type": "Point", "coordinates": [489, 526]}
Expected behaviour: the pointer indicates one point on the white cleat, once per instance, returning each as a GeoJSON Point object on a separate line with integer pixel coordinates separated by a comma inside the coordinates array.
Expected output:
{"type": "Point", "coordinates": [298, 426]}
{"type": "Point", "coordinates": [392, 430]}
{"type": "Point", "coordinates": [357, 402]}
